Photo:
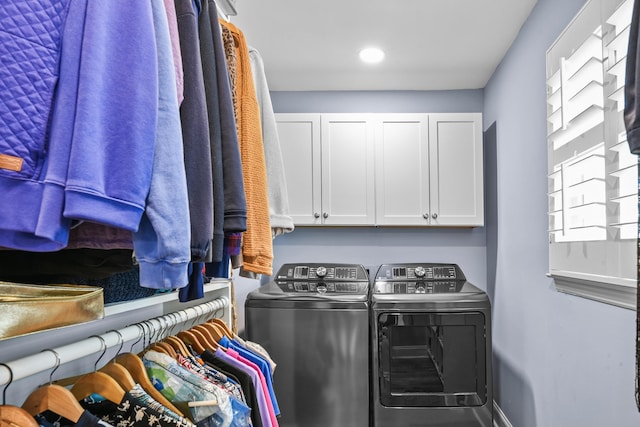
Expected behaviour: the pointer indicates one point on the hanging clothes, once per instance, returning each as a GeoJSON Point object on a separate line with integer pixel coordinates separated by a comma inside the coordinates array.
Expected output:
{"type": "Point", "coordinates": [195, 133]}
{"type": "Point", "coordinates": [133, 411]}
{"type": "Point", "coordinates": [84, 154]}
{"type": "Point", "coordinates": [162, 241]}
{"type": "Point", "coordinates": [257, 249]}
{"type": "Point", "coordinates": [87, 419]}
{"type": "Point", "coordinates": [281, 221]}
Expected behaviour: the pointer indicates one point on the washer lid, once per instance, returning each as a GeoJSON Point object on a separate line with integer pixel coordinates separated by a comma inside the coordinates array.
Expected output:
{"type": "Point", "coordinates": [316, 281]}
{"type": "Point", "coordinates": [421, 278]}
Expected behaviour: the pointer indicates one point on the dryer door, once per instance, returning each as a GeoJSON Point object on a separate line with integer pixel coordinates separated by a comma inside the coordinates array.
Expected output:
{"type": "Point", "coordinates": [431, 359]}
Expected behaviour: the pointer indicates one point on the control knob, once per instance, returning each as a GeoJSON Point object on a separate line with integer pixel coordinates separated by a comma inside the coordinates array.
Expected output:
{"type": "Point", "coordinates": [321, 271]}
{"type": "Point", "coordinates": [419, 271]}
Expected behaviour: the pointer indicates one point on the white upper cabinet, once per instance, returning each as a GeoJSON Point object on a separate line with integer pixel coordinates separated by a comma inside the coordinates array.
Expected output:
{"type": "Point", "coordinates": [348, 196]}
{"type": "Point", "coordinates": [402, 169]}
{"type": "Point", "coordinates": [300, 145]}
{"type": "Point", "coordinates": [329, 180]}
{"type": "Point", "coordinates": [456, 193]}
{"type": "Point", "coordinates": [384, 169]}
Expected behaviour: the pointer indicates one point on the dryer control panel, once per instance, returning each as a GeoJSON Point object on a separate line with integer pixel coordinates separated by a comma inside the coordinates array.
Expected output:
{"type": "Point", "coordinates": [418, 278]}
{"type": "Point", "coordinates": [323, 278]}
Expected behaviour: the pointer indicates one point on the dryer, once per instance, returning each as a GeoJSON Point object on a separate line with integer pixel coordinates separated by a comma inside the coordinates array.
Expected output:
{"type": "Point", "coordinates": [431, 348]}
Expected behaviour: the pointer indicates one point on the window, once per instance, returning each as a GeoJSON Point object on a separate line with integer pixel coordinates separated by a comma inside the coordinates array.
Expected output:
{"type": "Point", "coordinates": [592, 176]}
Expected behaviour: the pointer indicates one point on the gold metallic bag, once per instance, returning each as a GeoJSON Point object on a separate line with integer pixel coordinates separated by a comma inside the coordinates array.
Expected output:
{"type": "Point", "coordinates": [25, 308]}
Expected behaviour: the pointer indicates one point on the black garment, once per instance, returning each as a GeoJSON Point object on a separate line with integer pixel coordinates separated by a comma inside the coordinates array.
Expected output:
{"type": "Point", "coordinates": [43, 267]}
{"type": "Point", "coordinates": [245, 381]}
{"type": "Point", "coordinates": [87, 419]}
{"type": "Point", "coordinates": [131, 412]}
{"type": "Point", "coordinates": [632, 84]}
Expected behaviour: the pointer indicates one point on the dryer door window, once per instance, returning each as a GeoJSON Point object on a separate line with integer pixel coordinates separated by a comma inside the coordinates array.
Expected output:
{"type": "Point", "coordinates": [432, 359]}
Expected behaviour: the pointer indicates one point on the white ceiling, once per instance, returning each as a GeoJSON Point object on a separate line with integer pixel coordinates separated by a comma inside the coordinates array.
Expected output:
{"type": "Point", "coordinates": [429, 44]}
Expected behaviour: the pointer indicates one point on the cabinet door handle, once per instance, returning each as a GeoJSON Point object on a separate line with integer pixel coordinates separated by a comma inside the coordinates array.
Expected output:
{"type": "Point", "coordinates": [325, 215]}
{"type": "Point", "coordinates": [316, 215]}
{"type": "Point", "coordinates": [425, 216]}
{"type": "Point", "coordinates": [434, 215]}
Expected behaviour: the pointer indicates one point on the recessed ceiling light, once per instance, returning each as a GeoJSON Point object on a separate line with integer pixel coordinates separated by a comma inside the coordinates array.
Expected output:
{"type": "Point", "coordinates": [371, 55]}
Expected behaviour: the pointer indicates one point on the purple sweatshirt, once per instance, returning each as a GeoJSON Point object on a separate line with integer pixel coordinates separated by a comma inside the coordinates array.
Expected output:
{"type": "Point", "coordinates": [78, 112]}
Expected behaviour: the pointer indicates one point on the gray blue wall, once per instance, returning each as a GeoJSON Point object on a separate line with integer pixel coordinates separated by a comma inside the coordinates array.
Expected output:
{"type": "Point", "coordinates": [559, 360]}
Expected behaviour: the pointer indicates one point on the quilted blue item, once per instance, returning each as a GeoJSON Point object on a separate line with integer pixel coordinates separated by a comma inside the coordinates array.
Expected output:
{"type": "Point", "coordinates": [30, 38]}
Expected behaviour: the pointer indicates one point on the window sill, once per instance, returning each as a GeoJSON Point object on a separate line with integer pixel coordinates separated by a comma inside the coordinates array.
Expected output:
{"type": "Point", "coordinates": [614, 291]}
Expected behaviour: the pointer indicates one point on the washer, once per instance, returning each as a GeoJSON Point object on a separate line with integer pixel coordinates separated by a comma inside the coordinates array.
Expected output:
{"type": "Point", "coordinates": [313, 319]}
{"type": "Point", "coordinates": [431, 348]}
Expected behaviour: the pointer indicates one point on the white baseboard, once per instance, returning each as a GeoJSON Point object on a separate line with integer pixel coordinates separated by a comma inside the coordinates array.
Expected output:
{"type": "Point", "coordinates": [499, 418]}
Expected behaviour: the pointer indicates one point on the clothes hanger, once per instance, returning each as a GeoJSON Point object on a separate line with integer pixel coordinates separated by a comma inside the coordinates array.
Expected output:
{"type": "Point", "coordinates": [191, 338]}
{"type": "Point", "coordinates": [99, 383]}
{"type": "Point", "coordinates": [136, 368]}
{"type": "Point", "coordinates": [211, 333]}
{"type": "Point", "coordinates": [119, 372]}
{"type": "Point", "coordinates": [229, 333]}
{"type": "Point", "coordinates": [178, 345]}
{"type": "Point", "coordinates": [165, 348]}
{"type": "Point", "coordinates": [210, 341]}
{"type": "Point", "coordinates": [11, 415]}
{"type": "Point", "coordinates": [54, 398]}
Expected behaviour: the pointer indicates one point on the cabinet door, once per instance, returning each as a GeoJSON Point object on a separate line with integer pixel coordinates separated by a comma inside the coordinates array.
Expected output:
{"type": "Point", "coordinates": [402, 169]}
{"type": "Point", "coordinates": [300, 145]}
{"type": "Point", "coordinates": [347, 170]}
{"type": "Point", "coordinates": [455, 152]}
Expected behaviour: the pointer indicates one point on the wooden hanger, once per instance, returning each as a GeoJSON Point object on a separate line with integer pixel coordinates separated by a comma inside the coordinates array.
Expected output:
{"type": "Point", "coordinates": [222, 324]}
{"type": "Point", "coordinates": [161, 349]}
{"type": "Point", "coordinates": [54, 398]}
{"type": "Point", "coordinates": [191, 338]}
{"type": "Point", "coordinates": [215, 330]}
{"type": "Point", "coordinates": [169, 350]}
{"type": "Point", "coordinates": [210, 342]}
{"type": "Point", "coordinates": [11, 415]}
{"type": "Point", "coordinates": [177, 345]}
{"type": "Point", "coordinates": [15, 416]}
{"type": "Point", "coordinates": [210, 331]}
{"type": "Point", "coordinates": [136, 368]}
{"type": "Point", "coordinates": [99, 383]}
{"type": "Point", "coordinates": [120, 374]}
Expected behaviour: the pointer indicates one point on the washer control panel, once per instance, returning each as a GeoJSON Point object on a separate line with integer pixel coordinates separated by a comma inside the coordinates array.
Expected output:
{"type": "Point", "coordinates": [418, 278]}
{"type": "Point", "coordinates": [323, 278]}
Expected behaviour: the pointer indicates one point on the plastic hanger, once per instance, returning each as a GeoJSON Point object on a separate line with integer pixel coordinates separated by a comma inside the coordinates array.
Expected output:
{"type": "Point", "coordinates": [136, 368]}
{"type": "Point", "coordinates": [54, 398]}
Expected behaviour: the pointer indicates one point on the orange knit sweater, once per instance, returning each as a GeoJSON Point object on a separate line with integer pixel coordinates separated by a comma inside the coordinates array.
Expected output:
{"type": "Point", "coordinates": [257, 245]}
